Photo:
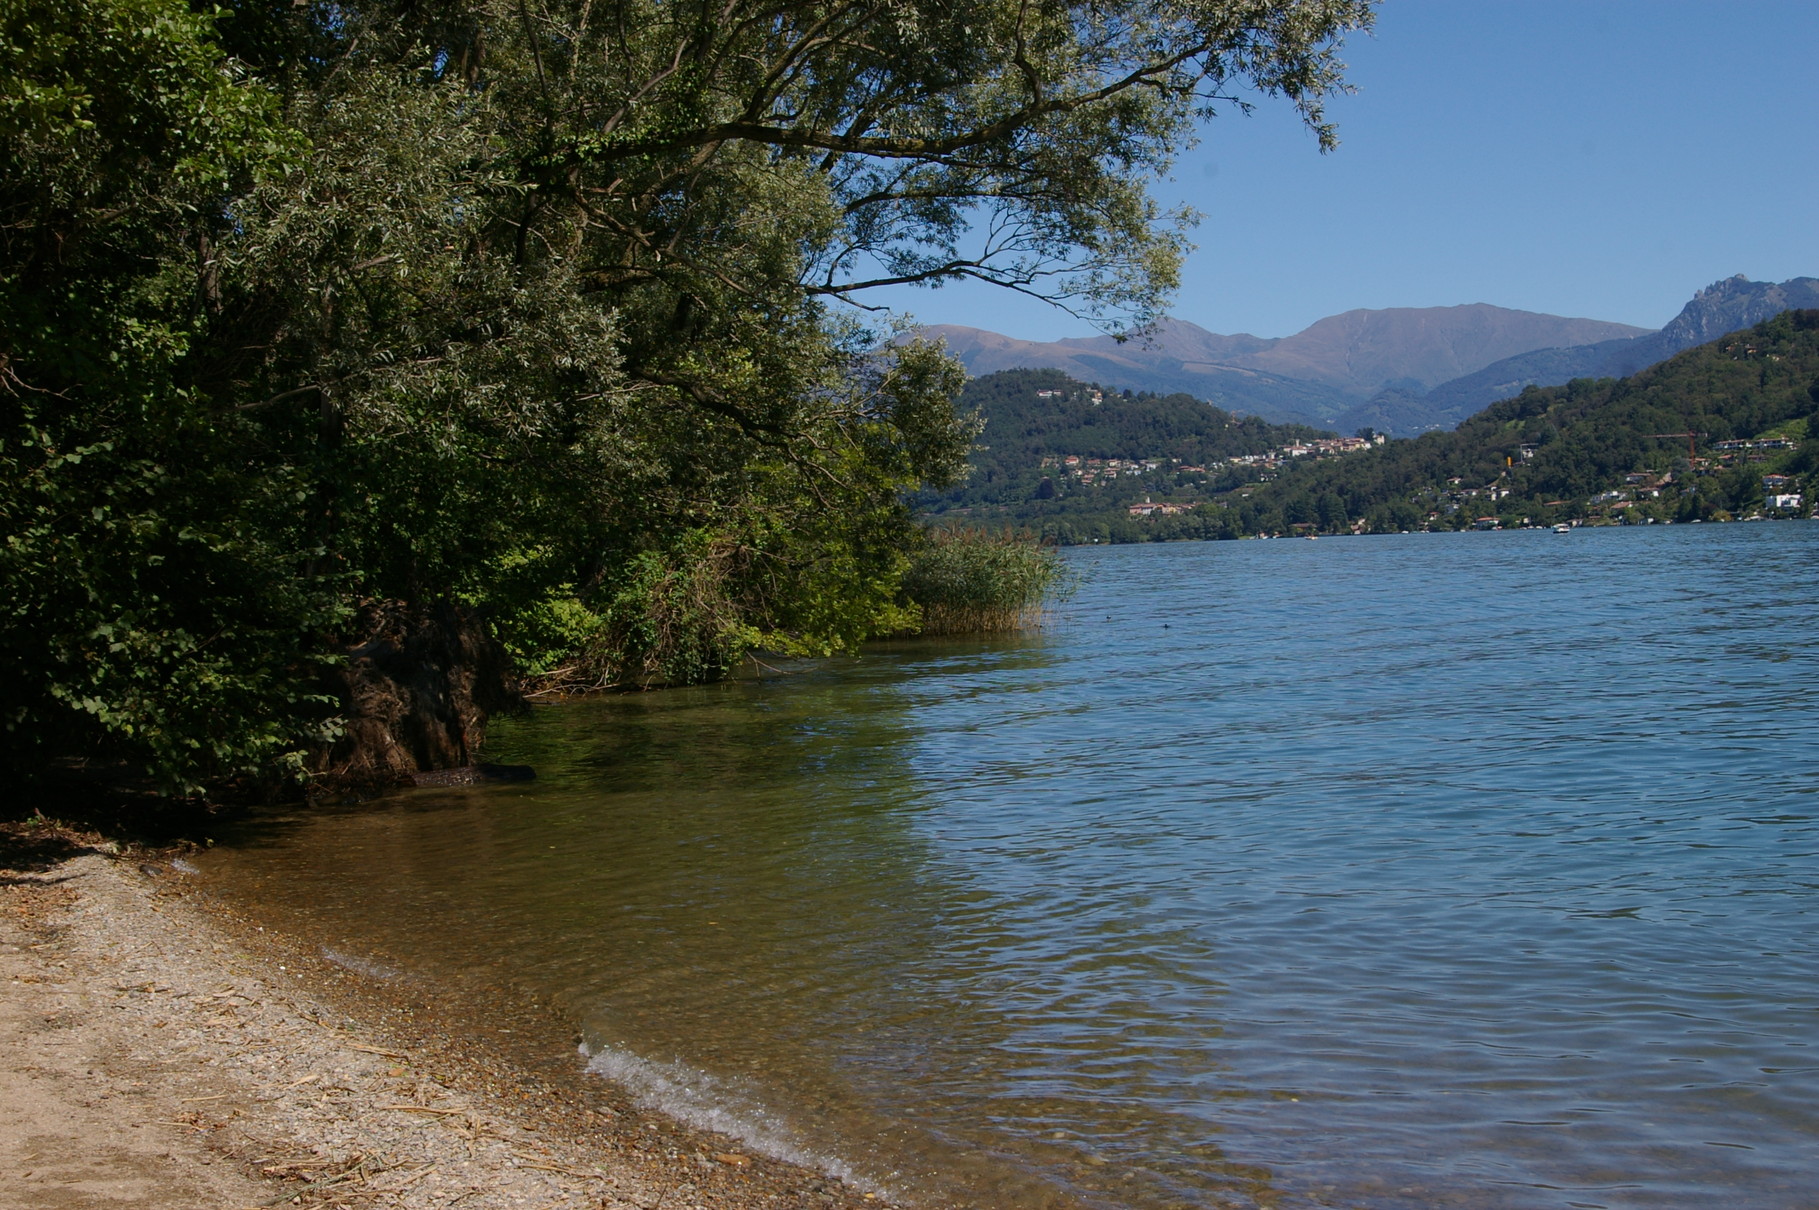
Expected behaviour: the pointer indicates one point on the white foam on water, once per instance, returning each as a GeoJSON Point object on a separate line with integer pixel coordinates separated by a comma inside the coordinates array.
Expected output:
{"type": "Point", "coordinates": [708, 1102]}
{"type": "Point", "coordinates": [361, 966]}
{"type": "Point", "coordinates": [183, 867]}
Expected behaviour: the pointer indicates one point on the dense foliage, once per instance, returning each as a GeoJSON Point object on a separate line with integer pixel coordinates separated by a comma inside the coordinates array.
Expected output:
{"type": "Point", "coordinates": [527, 306]}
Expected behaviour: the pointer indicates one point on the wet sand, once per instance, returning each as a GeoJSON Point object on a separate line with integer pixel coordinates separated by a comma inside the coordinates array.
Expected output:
{"type": "Point", "coordinates": [160, 1053]}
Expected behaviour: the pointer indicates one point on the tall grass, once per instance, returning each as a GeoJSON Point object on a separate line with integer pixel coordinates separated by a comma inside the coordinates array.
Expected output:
{"type": "Point", "coordinates": [970, 581]}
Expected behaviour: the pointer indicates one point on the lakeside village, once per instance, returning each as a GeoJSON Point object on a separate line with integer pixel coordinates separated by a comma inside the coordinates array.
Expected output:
{"type": "Point", "coordinates": [1645, 498]}
{"type": "Point", "coordinates": [1101, 472]}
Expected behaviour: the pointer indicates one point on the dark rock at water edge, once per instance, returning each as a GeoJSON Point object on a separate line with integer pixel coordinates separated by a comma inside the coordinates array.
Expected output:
{"type": "Point", "coordinates": [416, 688]}
{"type": "Point", "coordinates": [473, 775]}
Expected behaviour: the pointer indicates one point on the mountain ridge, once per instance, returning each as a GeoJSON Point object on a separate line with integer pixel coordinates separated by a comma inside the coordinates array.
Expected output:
{"type": "Point", "coordinates": [1722, 307]}
{"type": "Point", "coordinates": [1331, 366]}
{"type": "Point", "coordinates": [1400, 370]}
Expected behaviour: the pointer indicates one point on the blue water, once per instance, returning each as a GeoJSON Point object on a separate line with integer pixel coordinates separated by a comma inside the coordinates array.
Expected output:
{"type": "Point", "coordinates": [1437, 870]}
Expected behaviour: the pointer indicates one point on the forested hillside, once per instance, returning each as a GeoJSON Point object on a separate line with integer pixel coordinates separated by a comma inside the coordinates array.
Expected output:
{"type": "Point", "coordinates": [1712, 433]}
{"type": "Point", "coordinates": [1072, 461]}
{"type": "Point", "coordinates": [1716, 433]}
{"type": "Point", "coordinates": [1033, 416]}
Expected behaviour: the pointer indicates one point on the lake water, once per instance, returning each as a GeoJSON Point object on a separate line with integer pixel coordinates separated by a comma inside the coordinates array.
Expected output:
{"type": "Point", "coordinates": [1466, 870]}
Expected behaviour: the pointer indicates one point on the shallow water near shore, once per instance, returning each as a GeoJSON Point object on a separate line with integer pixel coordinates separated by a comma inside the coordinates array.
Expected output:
{"type": "Point", "coordinates": [1438, 870]}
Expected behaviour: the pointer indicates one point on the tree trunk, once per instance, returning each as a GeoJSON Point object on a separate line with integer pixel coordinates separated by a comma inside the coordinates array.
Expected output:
{"type": "Point", "coordinates": [416, 688]}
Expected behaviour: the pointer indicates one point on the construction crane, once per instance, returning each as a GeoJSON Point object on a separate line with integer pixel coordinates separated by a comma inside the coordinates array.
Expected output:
{"type": "Point", "coordinates": [1692, 448]}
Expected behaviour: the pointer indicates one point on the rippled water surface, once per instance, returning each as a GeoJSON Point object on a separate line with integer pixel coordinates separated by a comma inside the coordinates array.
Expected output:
{"type": "Point", "coordinates": [1470, 870]}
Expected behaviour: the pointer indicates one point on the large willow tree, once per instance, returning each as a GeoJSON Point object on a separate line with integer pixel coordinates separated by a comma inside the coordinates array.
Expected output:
{"type": "Point", "coordinates": [537, 305]}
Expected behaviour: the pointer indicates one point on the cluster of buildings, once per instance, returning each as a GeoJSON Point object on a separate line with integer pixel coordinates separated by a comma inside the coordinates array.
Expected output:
{"type": "Point", "coordinates": [1167, 508]}
{"type": "Point", "coordinates": [1754, 451]}
{"type": "Point", "coordinates": [1323, 447]}
{"type": "Point", "coordinates": [1332, 446]}
{"type": "Point", "coordinates": [1104, 470]}
{"type": "Point", "coordinates": [1780, 493]}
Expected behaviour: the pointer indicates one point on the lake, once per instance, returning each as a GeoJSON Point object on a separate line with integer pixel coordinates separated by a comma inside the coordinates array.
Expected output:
{"type": "Point", "coordinates": [1470, 870]}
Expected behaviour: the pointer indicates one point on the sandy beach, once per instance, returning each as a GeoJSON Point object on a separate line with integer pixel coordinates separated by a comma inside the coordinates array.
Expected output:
{"type": "Point", "coordinates": [162, 1054]}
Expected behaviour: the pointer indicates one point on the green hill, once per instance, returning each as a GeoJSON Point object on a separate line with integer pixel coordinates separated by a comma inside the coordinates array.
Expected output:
{"type": "Point", "coordinates": [1592, 451]}
{"type": "Point", "coordinates": [1070, 459]}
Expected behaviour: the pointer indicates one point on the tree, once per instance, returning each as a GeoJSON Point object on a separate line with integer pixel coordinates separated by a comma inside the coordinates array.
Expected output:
{"type": "Point", "coordinates": [907, 142]}
{"type": "Point", "coordinates": [536, 307]}
{"type": "Point", "coordinates": [144, 600]}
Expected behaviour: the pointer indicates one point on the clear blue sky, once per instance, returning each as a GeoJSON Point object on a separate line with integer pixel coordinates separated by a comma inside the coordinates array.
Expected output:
{"type": "Point", "coordinates": [1599, 158]}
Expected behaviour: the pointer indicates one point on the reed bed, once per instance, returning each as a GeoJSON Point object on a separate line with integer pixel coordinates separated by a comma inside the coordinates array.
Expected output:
{"type": "Point", "coordinates": [977, 581]}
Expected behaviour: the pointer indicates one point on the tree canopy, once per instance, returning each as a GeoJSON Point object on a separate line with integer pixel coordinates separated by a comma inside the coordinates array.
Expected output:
{"type": "Point", "coordinates": [536, 306]}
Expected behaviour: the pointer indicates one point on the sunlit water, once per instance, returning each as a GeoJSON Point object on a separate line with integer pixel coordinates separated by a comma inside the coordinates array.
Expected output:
{"type": "Point", "coordinates": [1470, 870]}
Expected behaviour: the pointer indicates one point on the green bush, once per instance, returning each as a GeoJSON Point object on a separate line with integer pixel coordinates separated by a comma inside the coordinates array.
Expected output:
{"type": "Point", "coordinates": [980, 581]}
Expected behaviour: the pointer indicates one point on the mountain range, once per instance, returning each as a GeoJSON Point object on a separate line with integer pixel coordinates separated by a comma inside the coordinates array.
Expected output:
{"type": "Point", "coordinates": [1400, 370]}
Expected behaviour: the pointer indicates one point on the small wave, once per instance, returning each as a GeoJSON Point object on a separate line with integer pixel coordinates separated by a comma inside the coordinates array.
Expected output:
{"type": "Point", "coordinates": [709, 1103]}
{"type": "Point", "coordinates": [361, 966]}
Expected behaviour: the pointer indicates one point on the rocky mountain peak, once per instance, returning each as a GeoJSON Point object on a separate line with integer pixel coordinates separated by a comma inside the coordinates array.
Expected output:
{"type": "Point", "coordinates": [1736, 302]}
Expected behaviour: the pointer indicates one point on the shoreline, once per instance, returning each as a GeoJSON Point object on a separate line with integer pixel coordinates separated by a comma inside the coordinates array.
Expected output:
{"type": "Point", "coordinates": [164, 1054]}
